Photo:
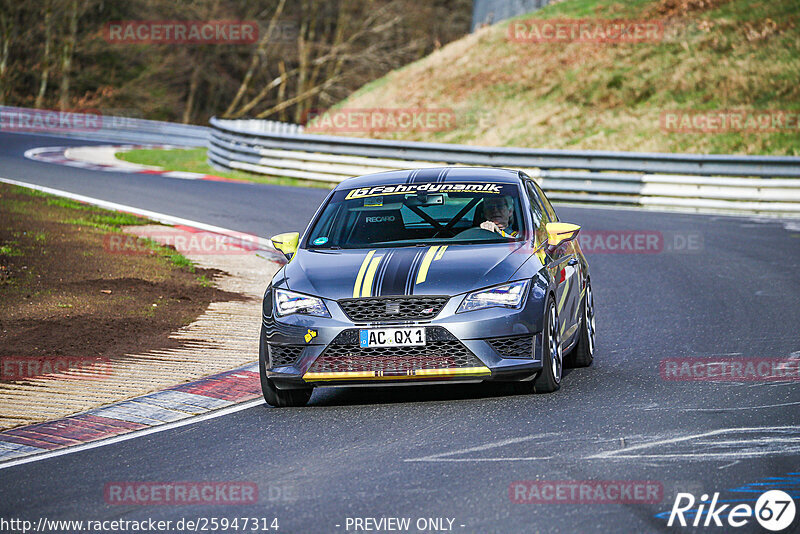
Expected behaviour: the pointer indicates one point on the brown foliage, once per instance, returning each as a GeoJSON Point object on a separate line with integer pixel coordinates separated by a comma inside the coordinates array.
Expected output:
{"type": "Point", "coordinates": [319, 52]}
{"type": "Point", "coordinates": [682, 8]}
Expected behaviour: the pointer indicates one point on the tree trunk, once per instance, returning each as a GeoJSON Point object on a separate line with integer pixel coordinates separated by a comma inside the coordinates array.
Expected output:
{"type": "Point", "coordinates": [305, 42]}
{"type": "Point", "coordinates": [282, 90]}
{"type": "Point", "coordinates": [66, 58]}
{"type": "Point", "coordinates": [254, 61]}
{"type": "Point", "coordinates": [299, 99]}
{"type": "Point", "coordinates": [193, 83]}
{"type": "Point", "coordinates": [7, 27]}
{"type": "Point", "coordinates": [48, 37]}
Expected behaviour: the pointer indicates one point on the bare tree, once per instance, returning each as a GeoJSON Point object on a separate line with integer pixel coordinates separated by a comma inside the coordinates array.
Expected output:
{"type": "Point", "coordinates": [336, 49]}
{"type": "Point", "coordinates": [312, 53]}
{"type": "Point", "coordinates": [258, 54]}
{"type": "Point", "coordinates": [67, 51]}
{"type": "Point", "coordinates": [194, 82]}
{"type": "Point", "coordinates": [8, 27]}
{"type": "Point", "coordinates": [48, 39]}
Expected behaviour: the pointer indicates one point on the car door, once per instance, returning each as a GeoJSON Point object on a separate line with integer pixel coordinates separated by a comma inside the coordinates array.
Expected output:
{"type": "Point", "coordinates": [564, 267]}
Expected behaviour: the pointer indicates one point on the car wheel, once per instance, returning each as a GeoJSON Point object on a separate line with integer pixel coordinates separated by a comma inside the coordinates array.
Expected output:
{"type": "Point", "coordinates": [583, 353]}
{"type": "Point", "coordinates": [549, 378]}
{"type": "Point", "coordinates": [280, 398]}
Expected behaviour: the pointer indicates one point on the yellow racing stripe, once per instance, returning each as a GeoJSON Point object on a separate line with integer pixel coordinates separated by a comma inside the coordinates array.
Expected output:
{"type": "Point", "coordinates": [563, 295]}
{"type": "Point", "coordinates": [366, 290]}
{"type": "Point", "coordinates": [561, 304]}
{"type": "Point", "coordinates": [422, 275]}
{"type": "Point", "coordinates": [440, 253]}
{"type": "Point", "coordinates": [361, 271]}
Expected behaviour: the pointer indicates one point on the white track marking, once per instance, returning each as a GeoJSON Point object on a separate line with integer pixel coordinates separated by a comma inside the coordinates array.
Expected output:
{"type": "Point", "coordinates": [31, 153]}
{"type": "Point", "coordinates": [685, 438]}
{"type": "Point", "coordinates": [183, 175]}
{"type": "Point", "coordinates": [761, 445]}
{"type": "Point", "coordinates": [160, 217]}
{"type": "Point", "coordinates": [503, 459]}
{"type": "Point", "coordinates": [775, 384]}
{"type": "Point", "coordinates": [105, 155]}
{"type": "Point", "coordinates": [440, 457]}
{"type": "Point", "coordinates": [726, 409]}
{"type": "Point", "coordinates": [133, 435]}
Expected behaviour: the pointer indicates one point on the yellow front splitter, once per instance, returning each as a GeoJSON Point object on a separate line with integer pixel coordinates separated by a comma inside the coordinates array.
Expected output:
{"type": "Point", "coordinates": [410, 375]}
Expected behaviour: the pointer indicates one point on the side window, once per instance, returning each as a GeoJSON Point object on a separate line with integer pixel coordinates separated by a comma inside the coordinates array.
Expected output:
{"type": "Point", "coordinates": [537, 213]}
{"type": "Point", "coordinates": [548, 208]}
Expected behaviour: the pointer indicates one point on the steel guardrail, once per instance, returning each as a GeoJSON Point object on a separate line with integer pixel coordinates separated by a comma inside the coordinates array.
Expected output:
{"type": "Point", "coordinates": [697, 182]}
{"type": "Point", "coordinates": [100, 127]}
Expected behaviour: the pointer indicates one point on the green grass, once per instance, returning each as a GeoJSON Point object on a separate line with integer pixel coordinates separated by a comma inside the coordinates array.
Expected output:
{"type": "Point", "coordinates": [196, 160]}
{"type": "Point", "coordinates": [67, 203]}
{"type": "Point", "coordinates": [30, 192]}
{"type": "Point", "coordinates": [179, 260]}
{"type": "Point", "coordinates": [588, 9]}
{"type": "Point", "coordinates": [86, 215]}
{"type": "Point", "coordinates": [10, 249]}
{"type": "Point", "coordinates": [110, 221]}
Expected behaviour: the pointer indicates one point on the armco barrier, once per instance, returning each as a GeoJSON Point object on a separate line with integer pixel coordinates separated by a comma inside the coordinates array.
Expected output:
{"type": "Point", "coordinates": [100, 127]}
{"type": "Point", "coordinates": [696, 182]}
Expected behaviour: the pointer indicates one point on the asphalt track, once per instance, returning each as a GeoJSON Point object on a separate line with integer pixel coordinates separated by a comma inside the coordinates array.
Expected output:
{"type": "Point", "coordinates": [454, 451]}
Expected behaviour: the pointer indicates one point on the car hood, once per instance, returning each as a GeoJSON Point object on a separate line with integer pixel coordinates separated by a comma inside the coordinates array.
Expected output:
{"type": "Point", "coordinates": [430, 270]}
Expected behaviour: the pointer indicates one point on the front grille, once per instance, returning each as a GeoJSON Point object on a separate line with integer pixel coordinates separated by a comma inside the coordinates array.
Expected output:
{"type": "Point", "coordinates": [282, 355]}
{"type": "Point", "coordinates": [514, 346]}
{"type": "Point", "coordinates": [405, 308]}
{"type": "Point", "coordinates": [442, 351]}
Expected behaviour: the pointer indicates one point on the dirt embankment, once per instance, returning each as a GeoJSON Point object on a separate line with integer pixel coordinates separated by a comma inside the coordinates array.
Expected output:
{"type": "Point", "coordinates": [718, 76]}
{"type": "Point", "coordinates": [65, 293]}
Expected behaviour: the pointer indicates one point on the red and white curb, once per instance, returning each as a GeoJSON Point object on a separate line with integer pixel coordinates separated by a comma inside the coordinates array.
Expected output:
{"type": "Point", "coordinates": [148, 411]}
{"type": "Point", "coordinates": [61, 155]}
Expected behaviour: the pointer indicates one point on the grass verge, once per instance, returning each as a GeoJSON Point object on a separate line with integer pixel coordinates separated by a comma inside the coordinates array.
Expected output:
{"type": "Point", "coordinates": [195, 160]}
{"type": "Point", "coordinates": [65, 290]}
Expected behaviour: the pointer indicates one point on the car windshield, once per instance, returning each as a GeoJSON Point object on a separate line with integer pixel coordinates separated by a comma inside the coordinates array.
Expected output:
{"type": "Point", "coordinates": [418, 214]}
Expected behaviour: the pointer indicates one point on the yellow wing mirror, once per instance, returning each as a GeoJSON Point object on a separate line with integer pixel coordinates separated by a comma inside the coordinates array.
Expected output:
{"type": "Point", "coordinates": [286, 243]}
{"type": "Point", "coordinates": [559, 233]}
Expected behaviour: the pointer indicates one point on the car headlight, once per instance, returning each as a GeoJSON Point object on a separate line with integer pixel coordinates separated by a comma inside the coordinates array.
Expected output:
{"type": "Point", "coordinates": [504, 296]}
{"type": "Point", "coordinates": [289, 302]}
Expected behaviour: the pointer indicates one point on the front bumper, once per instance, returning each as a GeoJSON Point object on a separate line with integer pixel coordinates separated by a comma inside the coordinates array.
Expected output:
{"type": "Point", "coordinates": [498, 344]}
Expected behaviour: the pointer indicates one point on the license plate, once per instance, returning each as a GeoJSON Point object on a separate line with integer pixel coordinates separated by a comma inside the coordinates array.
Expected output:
{"type": "Point", "coordinates": [392, 337]}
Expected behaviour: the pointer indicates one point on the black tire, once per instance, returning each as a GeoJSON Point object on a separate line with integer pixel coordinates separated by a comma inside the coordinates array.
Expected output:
{"type": "Point", "coordinates": [279, 398]}
{"type": "Point", "coordinates": [549, 378]}
{"type": "Point", "coordinates": [583, 353]}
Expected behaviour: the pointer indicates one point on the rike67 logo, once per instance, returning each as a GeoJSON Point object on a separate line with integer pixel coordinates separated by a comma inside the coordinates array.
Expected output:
{"type": "Point", "coordinates": [774, 511]}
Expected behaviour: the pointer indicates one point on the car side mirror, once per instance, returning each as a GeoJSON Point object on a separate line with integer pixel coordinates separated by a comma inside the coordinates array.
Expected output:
{"type": "Point", "coordinates": [559, 233]}
{"type": "Point", "coordinates": [286, 243]}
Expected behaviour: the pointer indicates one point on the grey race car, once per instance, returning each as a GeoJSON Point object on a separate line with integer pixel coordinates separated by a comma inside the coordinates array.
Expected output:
{"type": "Point", "coordinates": [427, 276]}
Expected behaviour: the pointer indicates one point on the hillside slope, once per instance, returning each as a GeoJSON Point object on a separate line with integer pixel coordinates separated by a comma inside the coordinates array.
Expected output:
{"type": "Point", "coordinates": [712, 55]}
